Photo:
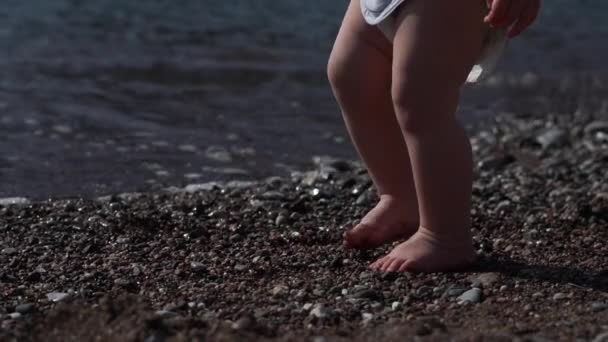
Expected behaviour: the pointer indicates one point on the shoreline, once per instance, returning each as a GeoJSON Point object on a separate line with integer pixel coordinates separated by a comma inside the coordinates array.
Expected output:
{"type": "Point", "coordinates": [263, 259]}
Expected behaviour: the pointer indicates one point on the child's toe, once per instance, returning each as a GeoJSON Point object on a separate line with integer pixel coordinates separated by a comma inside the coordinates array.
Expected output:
{"type": "Point", "coordinates": [395, 265]}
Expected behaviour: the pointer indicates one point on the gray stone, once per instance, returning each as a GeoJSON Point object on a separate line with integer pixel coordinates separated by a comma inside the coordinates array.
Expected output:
{"type": "Point", "coordinates": [123, 282]}
{"type": "Point", "coordinates": [597, 126]}
{"type": "Point", "coordinates": [273, 196]}
{"type": "Point", "coordinates": [279, 290]}
{"type": "Point", "coordinates": [454, 291]}
{"type": "Point", "coordinates": [424, 291]}
{"type": "Point", "coordinates": [552, 137]}
{"type": "Point", "coordinates": [240, 184]}
{"type": "Point", "coordinates": [244, 323]}
{"type": "Point", "coordinates": [366, 317]}
{"type": "Point", "coordinates": [155, 338]}
{"type": "Point", "coordinates": [240, 267]}
{"type": "Point", "coordinates": [57, 296]}
{"type": "Point", "coordinates": [14, 315]}
{"type": "Point", "coordinates": [599, 306]}
{"type": "Point", "coordinates": [395, 306]}
{"type": "Point", "coordinates": [365, 275]}
{"type": "Point", "coordinates": [473, 296]}
{"type": "Point", "coordinates": [369, 294]}
{"type": "Point", "coordinates": [320, 311]}
{"type": "Point", "coordinates": [603, 337]}
{"type": "Point", "coordinates": [24, 308]}
{"type": "Point", "coordinates": [560, 296]}
{"type": "Point", "coordinates": [9, 251]}
{"type": "Point", "coordinates": [165, 313]}
{"type": "Point", "coordinates": [280, 219]}
{"type": "Point", "coordinates": [307, 306]}
{"type": "Point", "coordinates": [198, 267]}
{"type": "Point", "coordinates": [202, 187]}
{"type": "Point", "coordinates": [486, 279]}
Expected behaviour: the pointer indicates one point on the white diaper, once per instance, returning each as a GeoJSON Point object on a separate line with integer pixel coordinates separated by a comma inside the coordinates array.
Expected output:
{"type": "Point", "coordinates": [380, 13]}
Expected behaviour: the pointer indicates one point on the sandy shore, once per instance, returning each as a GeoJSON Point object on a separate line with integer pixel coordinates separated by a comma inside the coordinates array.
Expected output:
{"type": "Point", "coordinates": [264, 260]}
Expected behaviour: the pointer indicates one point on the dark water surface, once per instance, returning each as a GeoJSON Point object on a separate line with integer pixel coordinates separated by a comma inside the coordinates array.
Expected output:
{"type": "Point", "coordinates": [108, 96]}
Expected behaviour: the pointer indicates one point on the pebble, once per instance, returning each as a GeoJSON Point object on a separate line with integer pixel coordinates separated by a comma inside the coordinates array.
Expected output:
{"type": "Point", "coordinates": [596, 126]}
{"type": "Point", "coordinates": [9, 251]}
{"type": "Point", "coordinates": [424, 291]}
{"type": "Point", "coordinates": [454, 291]}
{"type": "Point", "coordinates": [123, 282]}
{"type": "Point", "coordinates": [366, 317]}
{"type": "Point", "coordinates": [155, 338]}
{"type": "Point", "coordinates": [603, 337]}
{"type": "Point", "coordinates": [560, 296]}
{"type": "Point", "coordinates": [198, 267]}
{"type": "Point", "coordinates": [307, 306]}
{"type": "Point", "coordinates": [320, 311]}
{"type": "Point", "coordinates": [552, 137]}
{"type": "Point", "coordinates": [240, 267]}
{"type": "Point", "coordinates": [24, 308]}
{"type": "Point", "coordinates": [165, 313]}
{"type": "Point", "coordinates": [273, 196]}
{"type": "Point", "coordinates": [599, 306]}
{"type": "Point", "coordinates": [395, 306]}
{"type": "Point", "coordinates": [368, 294]}
{"type": "Point", "coordinates": [14, 315]}
{"type": "Point", "coordinates": [202, 187]}
{"type": "Point", "coordinates": [57, 296]}
{"type": "Point", "coordinates": [486, 279]}
{"type": "Point", "coordinates": [278, 290]}
{"type": "Point", "coordinates": [365, 275]}
{"type": "Point", "coordinates": [473, 296]}
{"type": "Point", "coordinates": [280, 220]}
{"type": "Point", "coordinates": [244, 323]}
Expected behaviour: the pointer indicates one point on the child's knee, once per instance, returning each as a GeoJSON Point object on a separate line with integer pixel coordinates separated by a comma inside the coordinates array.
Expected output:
{"type": "Point", "coordinates": [422, 105]}
{"type": "Point", "coordinates": [336, 73]}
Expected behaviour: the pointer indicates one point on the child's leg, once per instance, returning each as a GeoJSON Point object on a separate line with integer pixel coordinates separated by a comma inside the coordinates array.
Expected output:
{"type": "Point", "coordinates": [359, 71]}
{"type": "Point", "coordinates": [436, 44]}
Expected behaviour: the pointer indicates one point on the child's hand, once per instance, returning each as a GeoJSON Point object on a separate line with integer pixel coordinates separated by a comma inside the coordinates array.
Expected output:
{"type": "Point", "coordinates": [516, 14]}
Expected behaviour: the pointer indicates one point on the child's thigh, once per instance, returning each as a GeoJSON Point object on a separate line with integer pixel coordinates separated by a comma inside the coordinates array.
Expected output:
{"type": "Point", "coordinates": [356, 36]}
{"type": "Point", "coordinates": [436, 44]}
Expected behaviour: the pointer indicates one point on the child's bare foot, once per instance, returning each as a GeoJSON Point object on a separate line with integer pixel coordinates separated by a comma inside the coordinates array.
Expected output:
{"type": "Point", "coordinates": [390, 220]}
{"type": "Point", "coordinates": [427, 252]}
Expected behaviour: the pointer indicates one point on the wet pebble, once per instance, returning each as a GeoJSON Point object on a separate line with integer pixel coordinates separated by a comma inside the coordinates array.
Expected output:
{"type": "Point", "coordinates": [244, 323]}
{"type": "Point", "coordinates": [599, 306]}
{"type": "Point", "coordinates": [9, 251]}
{"type": "Point", "coordinates": [603, 337]}
{"type": "Point", "coordinates": [198, 267]}
{"type": "Point", "coordinates": [57, 296]}
{"type": "Point", "coordinates": [560, 296]}
{"type": "Point", "coordinates": [165, 313]}
{"type": "Point", "coordinates": [395, 306]}
{"type": "Point", "coordinates": [485, 279]}
{"type": "Point", "coordinates": [552, 138]}
{"type": "Point", "coordinates": [24, 308]}
{"type": "Point", "coordinates": [14, 315]}
{"type": "Point", "coordinates": [596, 126]}
{"type": "Point", "coordinates": [320, 311]}
{"type": "Point", "coordinates": [472, 296]}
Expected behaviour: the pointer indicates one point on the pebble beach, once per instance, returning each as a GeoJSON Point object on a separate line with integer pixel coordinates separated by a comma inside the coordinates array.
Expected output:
{"type": "Point", "coordinates": [263, 260]}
